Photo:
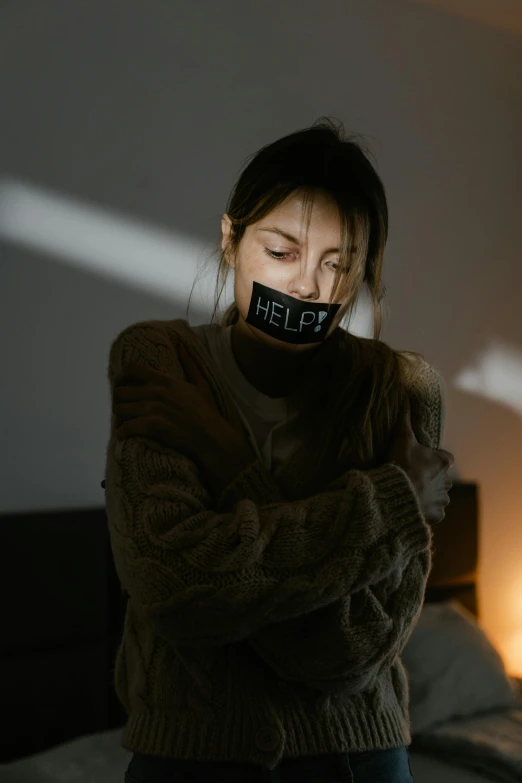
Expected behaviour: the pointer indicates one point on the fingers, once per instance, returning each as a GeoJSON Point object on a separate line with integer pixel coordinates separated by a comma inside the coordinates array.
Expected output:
{"type": "Point", "coordinates": [137, 394]}
{"type": "Point", "coordinates": [142, 418]}
{"type": "Point", "coordinates": [190, 366]}
{"type": "Point", "coordinates": [448, 460]}
{"type": "Point", "coordinates": [133, 410]}
{"type": "Point", "coordinates": [135, 372]}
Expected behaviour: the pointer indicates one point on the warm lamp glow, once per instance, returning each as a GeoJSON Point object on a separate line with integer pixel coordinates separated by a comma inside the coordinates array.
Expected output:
{"type": "Point", "coordinates": [509, 640]}
{"type": "Point", "coordinates": [512, 653]}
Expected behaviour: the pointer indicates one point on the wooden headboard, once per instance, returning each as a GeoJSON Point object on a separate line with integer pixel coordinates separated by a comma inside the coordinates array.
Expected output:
{"type": "Point", "coordinates": [64, 612]}
{"type": "Point", "coordinates": [455, 550]}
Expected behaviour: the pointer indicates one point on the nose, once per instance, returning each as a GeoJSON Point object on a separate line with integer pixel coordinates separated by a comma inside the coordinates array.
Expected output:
{"type": "Point", "coordinates": [304, 285]}
{"type": "Point", "coordinates": [305, 293]}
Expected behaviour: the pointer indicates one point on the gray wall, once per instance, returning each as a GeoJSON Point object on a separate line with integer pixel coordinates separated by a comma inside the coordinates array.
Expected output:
{"type": "Point", "coordinates": [137, 116]}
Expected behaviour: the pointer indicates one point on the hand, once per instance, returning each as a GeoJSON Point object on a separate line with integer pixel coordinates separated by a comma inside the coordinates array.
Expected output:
{"type": "Point", "coordinates": [181, 414]}
{"type": "Point", "coordinates": [426, 468]}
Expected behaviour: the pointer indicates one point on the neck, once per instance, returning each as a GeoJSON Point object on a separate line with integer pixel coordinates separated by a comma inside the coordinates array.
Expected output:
{"type": "Point", "coordinates": [272, 371]}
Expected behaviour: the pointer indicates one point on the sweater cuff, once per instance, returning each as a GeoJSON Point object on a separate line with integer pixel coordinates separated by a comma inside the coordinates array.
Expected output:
{"type": "Point", "coordinates": [396, 493]}
{"type": "Point", "coordinates": [256, 483]}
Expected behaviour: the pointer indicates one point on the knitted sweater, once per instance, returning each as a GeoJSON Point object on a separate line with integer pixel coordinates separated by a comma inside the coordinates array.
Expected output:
{"type": "Point", "coordinates": [259, 627]}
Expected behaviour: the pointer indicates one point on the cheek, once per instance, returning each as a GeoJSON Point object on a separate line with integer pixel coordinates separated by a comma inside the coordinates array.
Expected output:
{"type": "Point", "coordinates": [242, 294]}
{"type": "Point", "coordinates": [245, 275]}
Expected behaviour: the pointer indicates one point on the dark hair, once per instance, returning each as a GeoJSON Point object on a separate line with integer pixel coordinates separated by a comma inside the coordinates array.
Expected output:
{"type": "Point", "coordinates": [321, 157]}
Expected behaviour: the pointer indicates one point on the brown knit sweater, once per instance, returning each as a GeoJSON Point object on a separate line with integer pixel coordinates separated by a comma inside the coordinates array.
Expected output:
{"type": "Point", "coordinates": [259, 627]}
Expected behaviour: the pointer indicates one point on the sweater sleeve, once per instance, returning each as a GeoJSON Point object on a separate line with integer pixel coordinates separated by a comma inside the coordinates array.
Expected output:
{"type": "Point", "coordinates": [341, 648]}
{"type": "Point", "coordinates": [344, 646]}
{"type": "Point", "coordinates": [204, 576]}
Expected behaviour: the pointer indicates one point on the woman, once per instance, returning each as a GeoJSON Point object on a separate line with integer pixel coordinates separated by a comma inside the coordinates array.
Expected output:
{"type": "Point", "coordinates": [269, 503]}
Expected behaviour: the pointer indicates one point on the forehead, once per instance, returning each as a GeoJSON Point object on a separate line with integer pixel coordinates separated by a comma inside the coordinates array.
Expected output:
{"type": "Point", "coordinates": [313, 215]}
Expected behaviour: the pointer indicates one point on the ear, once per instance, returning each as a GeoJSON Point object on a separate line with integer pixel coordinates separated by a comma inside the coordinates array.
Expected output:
{"type": "Point", "coordinates": [226, 231]}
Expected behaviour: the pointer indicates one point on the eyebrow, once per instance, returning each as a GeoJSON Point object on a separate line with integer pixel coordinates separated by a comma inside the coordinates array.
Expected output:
{"type": "Point", "coordinates": [291, 238]}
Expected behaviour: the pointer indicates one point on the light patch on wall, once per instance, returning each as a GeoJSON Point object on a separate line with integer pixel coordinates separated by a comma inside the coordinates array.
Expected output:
{"type": "Point", "coordinates": [119, 248]}
{"type": "Point", "coordinates": [496, 374]}
{"type": "Point", "coordinates": [116, 247]}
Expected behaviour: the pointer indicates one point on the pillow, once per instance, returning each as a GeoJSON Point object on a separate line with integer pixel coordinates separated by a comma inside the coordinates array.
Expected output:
{"type": "Point", "coordinates": [453, 669]}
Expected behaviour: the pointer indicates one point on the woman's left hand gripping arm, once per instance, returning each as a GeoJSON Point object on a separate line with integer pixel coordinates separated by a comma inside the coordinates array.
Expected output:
{"type": "Point", "coordinates": [184, 416]}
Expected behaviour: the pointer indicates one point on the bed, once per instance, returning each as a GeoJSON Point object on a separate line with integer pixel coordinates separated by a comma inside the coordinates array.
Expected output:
{"type": "Point", "coordinates": [64, 613]}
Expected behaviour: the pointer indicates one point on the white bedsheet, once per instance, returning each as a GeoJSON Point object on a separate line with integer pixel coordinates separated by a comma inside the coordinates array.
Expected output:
{"type": "Point", "coordinates": [428, 769]}
{"type": "Point", "coordinates": [489, 744]}
{"type": "Point", "coordinates": [94, 758]}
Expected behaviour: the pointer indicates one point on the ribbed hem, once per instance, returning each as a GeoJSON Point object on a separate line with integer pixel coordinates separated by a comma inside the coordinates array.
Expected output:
{"type": "Point", "coordinates": [245, 738]}
{"type": "Point", "coordinates": [255, 483]}
{"type": "Point", "coordinates": [396, 492]}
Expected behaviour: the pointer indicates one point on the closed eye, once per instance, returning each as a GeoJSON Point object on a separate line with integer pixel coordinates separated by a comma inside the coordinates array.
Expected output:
{"type": "Point", "coordinates": [275, 254]}
{"type": "Point", "coordinates": [280, 256]}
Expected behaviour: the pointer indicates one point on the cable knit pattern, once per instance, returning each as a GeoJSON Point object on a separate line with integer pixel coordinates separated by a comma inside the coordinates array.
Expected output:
{"type": "Point", "coordinates": [256, 627]}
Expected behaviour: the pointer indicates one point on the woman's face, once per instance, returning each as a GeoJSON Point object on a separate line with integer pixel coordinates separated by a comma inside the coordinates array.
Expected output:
{"type": "Point", "coordinates": [291, 253]}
